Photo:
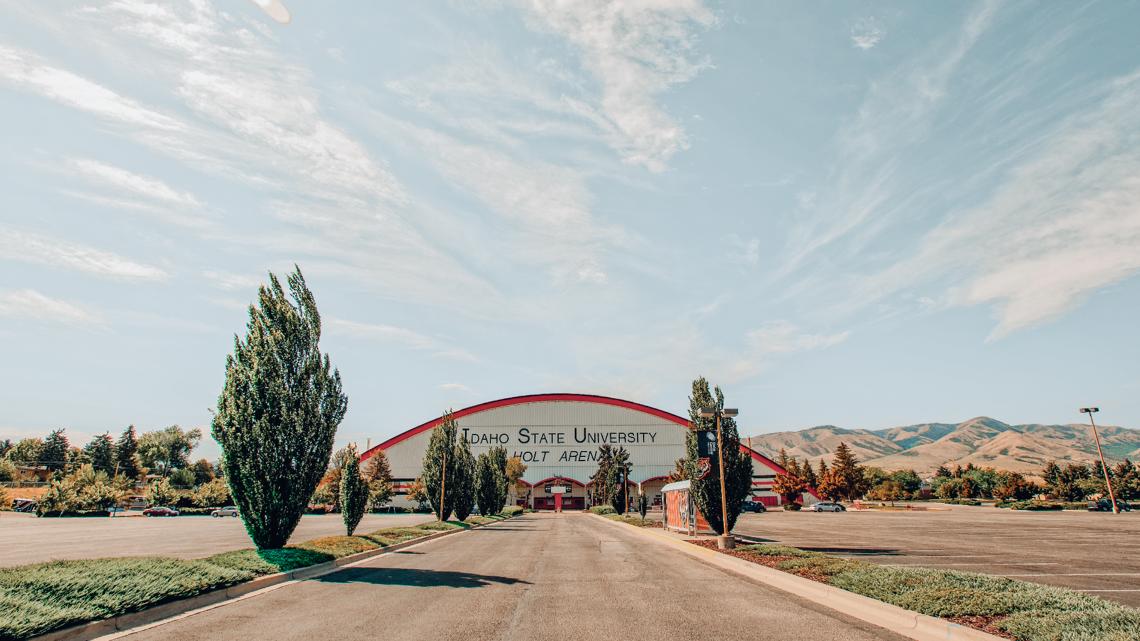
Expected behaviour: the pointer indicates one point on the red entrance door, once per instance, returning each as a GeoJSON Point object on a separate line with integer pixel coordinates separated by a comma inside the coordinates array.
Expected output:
{"type": "Point", "coordinates": [558, 502]}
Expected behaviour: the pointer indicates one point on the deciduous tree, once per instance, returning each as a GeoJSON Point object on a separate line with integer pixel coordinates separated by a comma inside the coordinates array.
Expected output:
{"type": "Point", "coordinates": [278, 413]}
{"type": "Point", "coordinates": [166, 450]}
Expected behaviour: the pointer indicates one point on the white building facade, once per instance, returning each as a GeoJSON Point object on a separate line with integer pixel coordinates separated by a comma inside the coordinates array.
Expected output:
{"type": "Point", "coordinates": [557, 436]}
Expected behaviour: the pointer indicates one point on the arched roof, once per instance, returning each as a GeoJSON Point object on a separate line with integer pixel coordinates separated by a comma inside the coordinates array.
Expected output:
{"type": "Point", "coordinates": [541, 398]}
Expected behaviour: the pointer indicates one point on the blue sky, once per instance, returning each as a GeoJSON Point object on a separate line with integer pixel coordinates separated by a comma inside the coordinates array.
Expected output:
{"type": "Point", "coordinates": [849, 213]}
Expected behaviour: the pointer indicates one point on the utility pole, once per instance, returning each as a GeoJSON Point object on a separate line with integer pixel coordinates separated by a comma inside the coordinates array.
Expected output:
{"type": "Point", "coordinates": [1103, 466]}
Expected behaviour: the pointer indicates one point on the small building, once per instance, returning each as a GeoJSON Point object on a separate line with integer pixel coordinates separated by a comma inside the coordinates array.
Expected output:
{"type": "Point", "coordinates": [681, 512]}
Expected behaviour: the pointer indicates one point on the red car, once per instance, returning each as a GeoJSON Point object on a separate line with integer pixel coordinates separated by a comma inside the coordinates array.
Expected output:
{"type": "Point", "coordinates": [160, 511]}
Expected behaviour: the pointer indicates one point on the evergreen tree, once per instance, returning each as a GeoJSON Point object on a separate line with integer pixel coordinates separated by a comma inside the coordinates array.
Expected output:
{"type": "Point", "coordinates": [464, 480]}
{"type": "Point", "coordinates": [353, 492]}
{"type": "Point", "coordinates": [499, 459]}
{"type": "Point", "coordinates": [488, 480]}
{"type": "Point", "coordinates": [942, 472]}
{"type": "Point", "coordinates": [619, 469]}
{"type": "Point", "coordinates": [101, 454]}
{"type": "Point", "coordinates": [642, 504]}
{"type": "Point", "coordinates": [738, 466]}
{"type": "Point", "coordinates": [808, 475]}
{"type": "Point", "coordinates": [603, 477]}
{"type": "Point", "coordinates": [53, 454]}
{"type": "Point", "coordinates": [440, 467]}
{"type": "Point", "coordinates": [125, 453]}
{"type": "Point", "coordinates": [848, 473]}
{"type": "Point", "coordinates": [278, 413]}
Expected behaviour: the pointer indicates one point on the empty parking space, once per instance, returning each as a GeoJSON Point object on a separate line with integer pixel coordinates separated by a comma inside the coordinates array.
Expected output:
{"type": "Point", "coordinates": [27, 539]}
{"type": "Point", "coordinates": [1093, 552]}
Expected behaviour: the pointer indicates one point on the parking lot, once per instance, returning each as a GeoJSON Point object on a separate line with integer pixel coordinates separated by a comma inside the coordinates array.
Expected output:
{"type": "Point", "coordinates": [1097, 553]}
{"type": "Point", "coordinates": [27, 539]}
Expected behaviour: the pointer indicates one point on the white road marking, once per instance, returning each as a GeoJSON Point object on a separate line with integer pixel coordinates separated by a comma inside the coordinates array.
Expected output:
{"type": "Point", "coordinates": [915, 565]}
{"type": "Point", "coordinates": [1077, 574]}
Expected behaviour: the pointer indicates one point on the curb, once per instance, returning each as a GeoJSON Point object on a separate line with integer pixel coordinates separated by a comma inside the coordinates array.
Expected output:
{"type": "Point", "coordinates": [907, 623]}
{"type": "Point", "coordinates": [155, 614]}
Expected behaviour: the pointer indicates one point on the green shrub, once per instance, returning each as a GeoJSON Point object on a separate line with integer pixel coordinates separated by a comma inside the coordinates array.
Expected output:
{"type": "Point", "coordinates": [269, 561]}
{"type": "Point", "coordinates": [1117, 624]}
{"type": "Point", "coordinates": [353, 491]}
{"type": "Point", "coordinates": [436, 526]}
{"type": "Point", "coordinates": [822, 565]}
{"type": "Point", "coordinates": [1036, 506]}
{"type": "Point", "coordinates": [401, 533]}
{"type": "Point", "coordinates": [37, 598]}
{"type": "Point", "coordinates": [603, 510]}
{"type": "Point", "coordinates": [792, 507]}
{"type": "Point", "coordinates": [512, 510]}
{"type": "Point", "coordinates": [339, 546]}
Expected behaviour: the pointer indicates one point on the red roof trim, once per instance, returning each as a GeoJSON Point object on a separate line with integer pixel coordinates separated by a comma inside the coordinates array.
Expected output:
{"type": "Point", "coordinates": [522, 400]}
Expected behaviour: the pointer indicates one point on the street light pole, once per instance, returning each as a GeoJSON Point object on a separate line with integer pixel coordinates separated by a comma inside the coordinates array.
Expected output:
{"type": "Point", "coordinates": [726, 542]}
{"type": "Point", "coordinates": [1103, 466]}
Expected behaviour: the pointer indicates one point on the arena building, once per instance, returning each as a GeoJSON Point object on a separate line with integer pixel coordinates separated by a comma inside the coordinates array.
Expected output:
{"type": "Point", "coordinates": [557, 436]}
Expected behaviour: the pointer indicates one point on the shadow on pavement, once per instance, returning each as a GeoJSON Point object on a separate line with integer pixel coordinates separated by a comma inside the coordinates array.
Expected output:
{"type": "Point", "coordinates": [417, 578]}
{"type": "Point", "coordinates": [859, 551]}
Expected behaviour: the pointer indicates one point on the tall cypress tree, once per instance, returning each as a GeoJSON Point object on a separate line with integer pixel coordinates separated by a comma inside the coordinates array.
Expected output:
{"type": "Point", "coordinates": [278, 412]}
{"type": "Point", "coordinates": [353, 491]}
{"type": "Point", "coordinates": [498, 456]}
{"type": "Point", "coordinates": [440, 454]}
{"type": "Point", "coordinates": [101, 453]}
{"type": "Point", "coordinates": [486, 485]}
{"type": "Point", "coordinates": [464, 480]}
{"type": "Point", "coordinates": [125, 450]}
{"type": "Point", "coordinates": [738, 465]}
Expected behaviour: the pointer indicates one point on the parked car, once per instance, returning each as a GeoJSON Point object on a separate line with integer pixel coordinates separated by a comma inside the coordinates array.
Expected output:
{"type": "Point", "coordinates": [160, 511]}
{"type": "Point", "coordinates": [753, 506]}
{"type": "Point", "coordinates": [1105, 505]}
{"type": "Point", "coordinates": [228, 510]}
{"type": "Point", "coordinates": [826, 506]}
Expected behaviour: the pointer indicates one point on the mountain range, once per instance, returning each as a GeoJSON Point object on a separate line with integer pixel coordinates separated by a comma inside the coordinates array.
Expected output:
{"type": "Point", "coordinates": [983, 441]}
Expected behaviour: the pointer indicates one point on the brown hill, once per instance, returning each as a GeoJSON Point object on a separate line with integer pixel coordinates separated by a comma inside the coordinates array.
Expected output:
{"type": "Point", "coordinates": [982, 441]}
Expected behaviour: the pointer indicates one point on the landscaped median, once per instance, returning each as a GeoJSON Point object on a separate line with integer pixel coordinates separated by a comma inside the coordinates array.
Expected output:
{"type": "Point", "coordinates": [999, 606]}
{"type": "Point", "coordinates": [611, 514]}
{"type": "Point", "coordinates": [36, 599]}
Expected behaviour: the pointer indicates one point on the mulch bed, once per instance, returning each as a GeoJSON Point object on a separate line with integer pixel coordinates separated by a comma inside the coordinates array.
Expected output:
{"type": "Point", "coordinates": [978, 622]}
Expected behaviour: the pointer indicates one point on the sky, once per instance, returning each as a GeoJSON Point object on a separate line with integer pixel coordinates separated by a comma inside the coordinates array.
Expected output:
{"type": "Point", "coordinates": [859, 214]}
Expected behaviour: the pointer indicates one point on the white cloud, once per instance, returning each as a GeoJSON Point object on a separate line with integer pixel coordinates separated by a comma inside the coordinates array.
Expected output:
{"type": "Point", "coordinates": [402, 336]}
{"type": "Point", "coordinates": [230, 282]}
{"type": "Point", "coordinates": [256, 118]}
{"type": "Point", "coordinates": [866, 33]}
{"type": "Point", "coordinates": [27, 71]}
{"type": "Point", "coordinates": [136, 184]}
{"type": "Point", "coordinates": [28, 303]}
{"type": "Point", "coordinates": [43, 250]}
{"type": "Point", "coordinates": [635, 51]}
{"type": "Point", "coordinates": [455, 387]}
{"type": "Point", "coordinates": [1062, 224]}
{"type": "Point", "coordinates": [896, 115]}
{"type": "Point", "coordinates": [782, 337]}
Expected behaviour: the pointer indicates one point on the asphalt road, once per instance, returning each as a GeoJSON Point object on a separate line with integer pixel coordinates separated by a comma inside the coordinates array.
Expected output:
{"type": "Point", "coordinates": [27, 539]}
{"type": "Point", "coordinates": [568, 577]}
{"type": "Point", "coordinates": [1098, 553]}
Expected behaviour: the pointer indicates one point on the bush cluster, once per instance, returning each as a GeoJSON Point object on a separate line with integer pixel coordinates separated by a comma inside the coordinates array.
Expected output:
{"type": "Point", "coordinates": [603, 510]}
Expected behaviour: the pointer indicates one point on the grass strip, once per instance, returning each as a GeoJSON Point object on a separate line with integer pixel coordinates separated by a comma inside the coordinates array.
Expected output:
{"type": "Point", "coordinates": [1017, 609]}
{"type": "Point", "coordinates": [39, 598]}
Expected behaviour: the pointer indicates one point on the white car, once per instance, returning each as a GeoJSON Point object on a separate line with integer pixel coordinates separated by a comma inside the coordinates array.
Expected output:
{"type": "Point", "coordinates": [826, 506]}
{"type": "Point", "coordinates": [228, 510]}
